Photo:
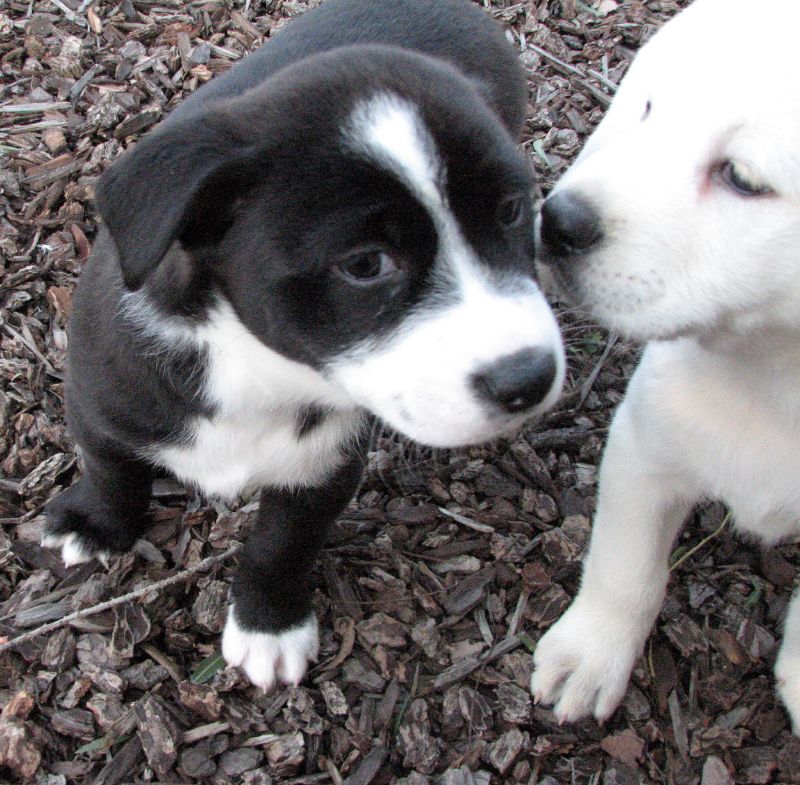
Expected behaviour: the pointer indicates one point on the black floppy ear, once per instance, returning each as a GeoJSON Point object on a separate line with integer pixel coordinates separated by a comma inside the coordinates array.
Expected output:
{"type": "Point", "coordinates": [184, 171]}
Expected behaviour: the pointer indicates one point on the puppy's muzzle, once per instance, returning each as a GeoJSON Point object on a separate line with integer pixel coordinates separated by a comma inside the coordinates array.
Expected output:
{"type": "Point", "coordinates": [569, 227]}
{"type": "Point", "coordinates": [517, 382]}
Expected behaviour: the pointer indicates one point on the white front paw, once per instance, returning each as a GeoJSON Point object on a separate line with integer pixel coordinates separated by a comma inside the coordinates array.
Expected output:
{"type": "Point", "coordinates": [583, 662]}
{"type": "Point", "coordinates": [787, 677]}
{"type": "Point", "coordinates": [268, 658]}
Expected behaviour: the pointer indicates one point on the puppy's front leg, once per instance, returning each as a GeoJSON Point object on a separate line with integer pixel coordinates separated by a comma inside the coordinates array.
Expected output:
{"type": "Point", "coordinates": [583, 663]}
{"type": "Point", "coordinates": [787, 666]}
{"type": "Point", "coordinates": [104, 512]}
{"type": "Point", "coordinates": [271, 630]}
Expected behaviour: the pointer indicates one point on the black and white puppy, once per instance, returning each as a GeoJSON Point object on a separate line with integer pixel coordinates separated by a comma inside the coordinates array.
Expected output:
{"type": "Point", "coordinates": [341, 224]}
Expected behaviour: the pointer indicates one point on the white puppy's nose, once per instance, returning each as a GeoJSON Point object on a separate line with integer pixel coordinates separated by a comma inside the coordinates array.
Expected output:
{"type": "Point", "coordinates": [518, 381]}
{"type": "Point", "coordinates": [569, 225]}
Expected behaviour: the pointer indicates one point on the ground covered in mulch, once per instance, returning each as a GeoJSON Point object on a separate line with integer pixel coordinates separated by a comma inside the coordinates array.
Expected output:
{"type": "Point", "coordinates": [446, 568]}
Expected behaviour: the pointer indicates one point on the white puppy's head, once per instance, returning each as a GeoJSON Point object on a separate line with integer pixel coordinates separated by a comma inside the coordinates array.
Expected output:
{"type": "Point", "coordinates": [682, 213]}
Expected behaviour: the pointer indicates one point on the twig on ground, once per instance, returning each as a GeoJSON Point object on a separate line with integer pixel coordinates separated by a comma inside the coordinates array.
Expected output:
{"type": "Point", "coordinates": [205, 731]}
{"type": "Point", "coordinates": [33, 108]}
{"type": "Point", "coordinates": [69, 13]}
{"type": "Point", "coordinates": [518, 611]}
{"type": "Point", "coordinates": [133, 595]}
{"type": "Point", "coordinates": [468, 522]}
{"type": "Point", "coordinates": [677, 563]}
{"type": "Point", "coordinates": [578, 75]}
{"type": "Point", "coordinates": [586, 387]}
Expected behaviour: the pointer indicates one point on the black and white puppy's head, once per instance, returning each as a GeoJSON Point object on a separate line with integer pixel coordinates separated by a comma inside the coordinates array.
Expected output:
{"type": "Point", "coordinates": [365, 214]}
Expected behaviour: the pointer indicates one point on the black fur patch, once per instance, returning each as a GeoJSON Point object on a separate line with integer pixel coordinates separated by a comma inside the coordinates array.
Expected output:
{"type": "Point", "coordinates": [309, 418]}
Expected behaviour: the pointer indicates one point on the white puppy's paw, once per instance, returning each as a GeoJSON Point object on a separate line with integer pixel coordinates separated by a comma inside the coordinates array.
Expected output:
{"type": "Point", "coordinates": [73, 549]}
{"type": "Point", "coordinates": [269, 658]}
{"type": "Point", "coordinates": [787, 680]}
{"type": "Point", "coordinates": [583, 662]}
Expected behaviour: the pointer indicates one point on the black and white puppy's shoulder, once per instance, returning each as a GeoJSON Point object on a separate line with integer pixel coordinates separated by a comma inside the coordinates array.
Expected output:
{"type": "Point", "coordinates": [340, 224]}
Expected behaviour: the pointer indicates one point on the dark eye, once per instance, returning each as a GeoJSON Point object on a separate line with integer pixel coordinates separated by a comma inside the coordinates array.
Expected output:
{"type": "Point", "coordinates": [511, 211]}
{"type": "Point", "coordinates": [366, 268]}
{"type": "Point", "coordinates": [742, 179]}
{"type": "Point", "coordinates": [647, 109]}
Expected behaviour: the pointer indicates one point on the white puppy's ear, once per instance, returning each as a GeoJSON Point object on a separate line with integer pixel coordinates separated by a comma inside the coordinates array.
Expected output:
{"type": "Point", "coordinates": [177, 183]}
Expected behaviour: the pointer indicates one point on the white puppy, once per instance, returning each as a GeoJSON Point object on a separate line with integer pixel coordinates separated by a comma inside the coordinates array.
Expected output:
{"type": "Point", "coordinates": [679, 224]}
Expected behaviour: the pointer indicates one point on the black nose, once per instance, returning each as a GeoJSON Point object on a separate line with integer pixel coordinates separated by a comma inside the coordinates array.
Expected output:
{"type": "Point", "coordinates": [518, 381]}
{"type": "Point", "coordinates": [569, 225]}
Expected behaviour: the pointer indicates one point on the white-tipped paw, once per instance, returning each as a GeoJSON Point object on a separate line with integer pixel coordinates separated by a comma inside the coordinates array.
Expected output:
{"type": "Point", "coordinates": [269, 658]}
{"type": "Point", "coordinates": [583, 663]}
{"type": "Point", "coordinates": [787, 682]}
{"type": "Point", "coordinates": [73, 550]}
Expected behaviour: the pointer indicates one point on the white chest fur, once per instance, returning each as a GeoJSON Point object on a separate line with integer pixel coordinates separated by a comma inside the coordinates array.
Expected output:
{"type": "Point", "coordinates": [226, 456]}
{"type": "Point", "coordinates": [728, 425]}
{"type": "Point", "coordinates": [258, 397]}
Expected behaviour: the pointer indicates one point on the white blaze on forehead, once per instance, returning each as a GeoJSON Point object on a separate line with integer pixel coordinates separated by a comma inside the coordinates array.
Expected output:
{"type": "Point", "coordinates": [389, 130]}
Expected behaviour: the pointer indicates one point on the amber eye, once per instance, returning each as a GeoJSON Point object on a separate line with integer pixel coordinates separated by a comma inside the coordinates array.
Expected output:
{"type": "Point", "coordinates": [511, 211]}
{"type": "Point", "coordinates": [742, 179]}
{"type": "Point", "coordinates": [367, 268]}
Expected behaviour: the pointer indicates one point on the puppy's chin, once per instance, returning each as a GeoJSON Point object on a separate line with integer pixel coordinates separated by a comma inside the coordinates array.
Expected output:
{"type": "Point", "coordinates": [639, 323]}
{"type": "Point", "coordinates": [459, 418]}
{"type": "Point", "coordinates": [639, 327]}
{"type": "Point", "coordinates": [660, 321]}
{"type": "Point", "coordinates": [453, 434]}
{"type": "Point", "coordinates": [550, 284]}
{"type": "Point", "coordinates": [561, 279]}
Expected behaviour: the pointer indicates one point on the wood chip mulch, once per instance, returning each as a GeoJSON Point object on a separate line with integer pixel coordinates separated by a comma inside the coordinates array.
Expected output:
{"type": "Point", "coordinates": [446, 568]}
